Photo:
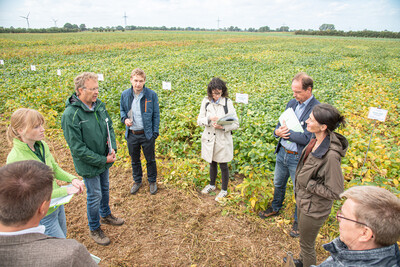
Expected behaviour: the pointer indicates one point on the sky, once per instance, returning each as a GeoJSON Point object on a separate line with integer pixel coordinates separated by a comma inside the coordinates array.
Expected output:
{"type": "Point", "coordinates": [346, 15]}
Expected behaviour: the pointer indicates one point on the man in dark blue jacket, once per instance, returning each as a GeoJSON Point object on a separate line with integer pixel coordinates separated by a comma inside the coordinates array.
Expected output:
{"type": "Point", "coordinates": [141, 115]}
{"type": "Point", "coordinates": [291, 144]}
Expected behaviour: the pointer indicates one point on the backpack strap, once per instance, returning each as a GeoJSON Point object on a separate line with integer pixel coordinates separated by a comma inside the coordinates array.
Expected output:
{"type": "Point", "coordinates": [226, 106]}
{"type": "Point", "coordinates": [208, 103]}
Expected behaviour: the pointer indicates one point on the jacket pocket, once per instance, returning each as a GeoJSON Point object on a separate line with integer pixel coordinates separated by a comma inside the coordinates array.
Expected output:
{"type": "Point", "coordinates": [148, 107]}
{"type": "Point", "coordinates": [305, 201]}
{"type": "Point", "coordinates": [320, 205]}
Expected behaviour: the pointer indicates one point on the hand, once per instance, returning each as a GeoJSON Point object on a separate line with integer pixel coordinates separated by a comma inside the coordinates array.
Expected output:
{"type": "Point", "coordinates": [78, 184]}
{"type": "Point", "coordinates": [217, 126]}
{"type": "Point", "coordinates": [72, 190]}
{"type": "Point", "coordinates": [128, 122]}
{"type": "Point", "coordinates": [283, 132]}
{"type": "Point", "coordinates": [111, 157]}
{"type": "Point", "coordinates": [215, 118]}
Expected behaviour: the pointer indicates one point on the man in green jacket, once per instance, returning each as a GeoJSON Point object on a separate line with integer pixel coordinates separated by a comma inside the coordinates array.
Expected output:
{"type": "Point", "coordinates": [89, 133]}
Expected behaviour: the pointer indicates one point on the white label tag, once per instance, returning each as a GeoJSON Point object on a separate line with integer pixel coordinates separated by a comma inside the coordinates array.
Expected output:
{"type": "Point", "coordinates": [166, 85]}
{"type": "Point", "coordinates": [59, 72]}
{"type": "Point", "coordinates": [242, 98]}
{"type": "Point", "coordinates": [33, 67]}
{"type": "Point", "coordinates": [100, 77]}
{"type": "Point", "coordinates": [1, 62]}
{"type": "Point", "coordinates": [377, 114]}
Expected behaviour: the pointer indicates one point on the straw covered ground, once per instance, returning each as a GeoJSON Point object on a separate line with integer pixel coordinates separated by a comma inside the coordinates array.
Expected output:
{"type": "Point", "coordinates": [173, 227]}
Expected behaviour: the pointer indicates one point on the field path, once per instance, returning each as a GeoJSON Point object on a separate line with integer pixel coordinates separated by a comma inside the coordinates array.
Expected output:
{"type": "Point", "coordinates": [172, 227]}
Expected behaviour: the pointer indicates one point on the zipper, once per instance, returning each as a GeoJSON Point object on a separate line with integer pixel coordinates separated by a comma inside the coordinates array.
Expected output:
{"type": "Point", "coordinates": [145, 105]}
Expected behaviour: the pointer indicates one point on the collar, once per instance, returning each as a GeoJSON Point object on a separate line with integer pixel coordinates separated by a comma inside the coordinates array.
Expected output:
{"type": "Point", "coordinates": [323, 147]}
{"type": "Point", "coordinates": [340, 251]}
{"type": "Point", "coordinates": [34, 230]}
{"type": "Point", "coordinates": [306, 102]}
{"type": "Point", "coordinates": [215, 102]}
{"type": "Point", "coordinates": [93, 104]}
{"type": "Point", "coordinates": [219, 101]}
{"type": "Point", "coordinates": [24, 146]}
{"type": "Point", "coordinates": [144, 91]}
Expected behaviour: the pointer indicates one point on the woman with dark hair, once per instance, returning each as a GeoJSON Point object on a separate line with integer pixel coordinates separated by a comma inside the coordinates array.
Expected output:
{"type": "Point", "coordinates": [26, 134]}
{"type": "Point", "coordinates": [216, 140]}
{"type": "Point", "coordinates": [319, 179]}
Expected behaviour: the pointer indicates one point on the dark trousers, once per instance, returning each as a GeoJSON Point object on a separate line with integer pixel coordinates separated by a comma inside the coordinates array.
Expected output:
{"type": "Point", "coordinates": [224, 174]}
{"type": "Point", "coordinates": [135, 143]}
{"type": "Point", "coordinates": [309, 228]}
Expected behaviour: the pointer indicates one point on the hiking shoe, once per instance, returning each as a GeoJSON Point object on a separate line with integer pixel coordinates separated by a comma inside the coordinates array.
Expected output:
{"type": "Point", "coordinates": [208, 189]}
{"type": "Point", "coordinates": [297, 262]}
{"type": "Point", "coordinates": [135, 188]}
{"type": "Point", "coordinates": [153, 188]}
{"type": "Point", "coordinates": [111, 219]}
{"type": "Point", "coordinates": [222, 194]}
{"type": "Point", "coordinates": [295, 230]}
{"type": "Point", "coordinates": [99, 237]}
{"type": "Point", "coordinates": [268, 213]}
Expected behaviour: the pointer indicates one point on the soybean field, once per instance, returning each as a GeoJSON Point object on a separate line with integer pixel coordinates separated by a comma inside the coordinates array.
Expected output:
{"type": "Point", "coordinates": [353, 74]}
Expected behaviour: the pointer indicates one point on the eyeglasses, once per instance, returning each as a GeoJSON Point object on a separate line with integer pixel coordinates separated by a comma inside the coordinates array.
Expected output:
{"type": "Point", "coordinates": [217, 93]}
{"type": "Point", "coordinates": [339, 215]}
{"type": "Point", "coordinates": [91, 89]}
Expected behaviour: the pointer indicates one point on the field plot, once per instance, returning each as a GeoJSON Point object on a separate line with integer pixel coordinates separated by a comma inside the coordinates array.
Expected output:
{"type": "Point", "coordinates": [352, 74]}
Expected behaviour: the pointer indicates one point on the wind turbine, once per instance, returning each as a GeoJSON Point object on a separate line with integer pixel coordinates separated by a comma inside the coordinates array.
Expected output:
{"type": "Point", "coordinates": [27, 18]}
{"type": "Point", "coordinates": [125, 16]}
{"type": "Point", "coordinates": [55, 22]}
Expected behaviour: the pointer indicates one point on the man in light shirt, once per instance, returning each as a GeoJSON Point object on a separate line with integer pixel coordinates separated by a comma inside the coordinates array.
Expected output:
{"type": "Point", "coordinates": [141, 115]}
{"type": "Point", "coordinates": [291, 144]}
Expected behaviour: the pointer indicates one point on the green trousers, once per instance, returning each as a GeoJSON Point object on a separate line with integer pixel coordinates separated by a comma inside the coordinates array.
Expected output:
{"type": "Point", "coordinates": [309, 229]}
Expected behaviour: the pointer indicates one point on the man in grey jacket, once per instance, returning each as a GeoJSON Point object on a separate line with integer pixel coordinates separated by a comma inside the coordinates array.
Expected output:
{"type": "Point", "coordinates": [369, 227]}
{"type": "Point", "coordinates": [25, 194]}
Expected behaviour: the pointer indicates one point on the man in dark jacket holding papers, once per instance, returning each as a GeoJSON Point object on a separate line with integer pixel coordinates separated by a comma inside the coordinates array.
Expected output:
{"type": "Point", "coordinates": [291, 143]}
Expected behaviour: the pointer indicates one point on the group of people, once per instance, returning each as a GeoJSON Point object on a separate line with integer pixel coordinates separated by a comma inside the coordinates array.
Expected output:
{"type": "Point", "coordinates": [311, 158]}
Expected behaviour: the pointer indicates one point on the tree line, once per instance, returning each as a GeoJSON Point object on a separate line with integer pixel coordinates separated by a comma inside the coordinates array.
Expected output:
{"type": "Point", "coordinates": [364, 33]}
{"type": "Point", "coordinates": [324, 29]}
{"type": "Point", "coordinates": [68, 27]}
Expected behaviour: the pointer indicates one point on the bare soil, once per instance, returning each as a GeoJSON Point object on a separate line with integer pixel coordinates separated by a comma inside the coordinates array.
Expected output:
{"type": "Point", "coordinates": [173, 227]}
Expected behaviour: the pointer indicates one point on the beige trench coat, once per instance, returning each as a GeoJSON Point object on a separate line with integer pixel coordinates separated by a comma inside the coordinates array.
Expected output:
{"type": "Point", "coordinates": [216, 144]}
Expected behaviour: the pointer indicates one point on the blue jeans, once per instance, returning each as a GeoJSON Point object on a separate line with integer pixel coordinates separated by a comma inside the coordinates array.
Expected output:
{"type": "Point", "coordinates": [136, 142]}
{"type": "Point", "coordinates": [285, 166]}
{"type": "Point", "coordinates": [98, 196]}
{"type": "Point", "coordinates": [55, 223]}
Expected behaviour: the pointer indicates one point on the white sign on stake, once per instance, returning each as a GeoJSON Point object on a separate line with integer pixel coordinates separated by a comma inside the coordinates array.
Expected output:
{"type": "Point", "coordinates": [100, 77]}
{"type": "Point", "coordinates": [33, 67]}
{"type": "Point", "coordinates": [59, 72]}
{"type": "Point", "coordinates": [1, 62]}
{"type": "Point", "coordinates": [377, 114]}
{"type": "Point", "coordinates": [166, 85]}
{"type": "Point", "coordinates": [242, 98]}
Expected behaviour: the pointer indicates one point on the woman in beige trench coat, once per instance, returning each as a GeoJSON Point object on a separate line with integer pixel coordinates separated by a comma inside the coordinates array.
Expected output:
{"type": "Point", "coordinates": [216, 140]}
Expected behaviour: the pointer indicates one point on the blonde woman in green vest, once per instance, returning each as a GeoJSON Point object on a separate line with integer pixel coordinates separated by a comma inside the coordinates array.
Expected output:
{"type": "Point", "coordinates": [26, 134]}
